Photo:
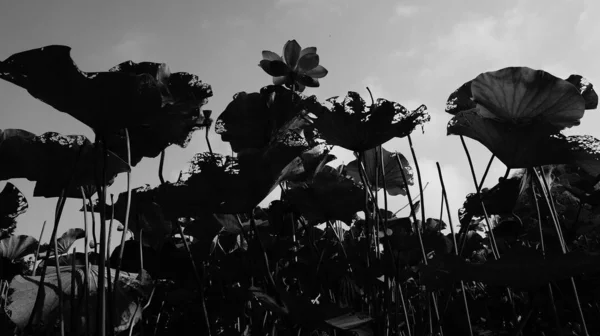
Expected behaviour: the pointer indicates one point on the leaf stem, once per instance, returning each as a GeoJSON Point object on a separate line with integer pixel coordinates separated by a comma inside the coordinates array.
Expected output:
{"type": "Point", "coordinates": [462, 284]}
{"type": "Point", "coordinates": [495, 251]}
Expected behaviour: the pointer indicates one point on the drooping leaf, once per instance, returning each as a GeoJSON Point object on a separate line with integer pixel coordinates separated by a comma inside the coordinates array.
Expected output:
{"type": "Point", "coordinates": [329, 196]}
{"type": "Point", "coordinates": [131, 292]}
{"type": "Point", "coordinates": [52, 159]}
{"type": "Point", "coordinates": [356, 127]}
{"type": "Point", "coordinates": [371, 162]}
{"type": "Point", "coordinates": [12, 205]}
{"type": "Point", "coordinates": [16, 247]}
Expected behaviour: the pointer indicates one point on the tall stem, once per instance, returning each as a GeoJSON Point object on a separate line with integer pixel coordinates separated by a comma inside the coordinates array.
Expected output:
{"type": "Point", "coordinates": [496, 254]}
{"type": "Point", "coordinates": [462, 284]}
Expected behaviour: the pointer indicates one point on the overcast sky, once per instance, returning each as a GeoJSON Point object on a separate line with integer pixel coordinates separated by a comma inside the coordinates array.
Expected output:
{"type": "Point", "coordinates": [411, 52]}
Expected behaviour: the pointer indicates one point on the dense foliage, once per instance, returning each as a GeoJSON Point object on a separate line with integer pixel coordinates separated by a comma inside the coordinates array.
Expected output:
{"type": "Point", "coordinates": [328, 257]}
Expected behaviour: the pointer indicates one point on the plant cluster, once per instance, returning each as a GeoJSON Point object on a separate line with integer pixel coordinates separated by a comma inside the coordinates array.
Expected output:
{"type": "Point", "coordinates": [328, 257]}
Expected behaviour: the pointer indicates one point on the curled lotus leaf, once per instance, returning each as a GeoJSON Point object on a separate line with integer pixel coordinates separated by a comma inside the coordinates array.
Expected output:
{"type": "Point", "coordinates": [352, 125]}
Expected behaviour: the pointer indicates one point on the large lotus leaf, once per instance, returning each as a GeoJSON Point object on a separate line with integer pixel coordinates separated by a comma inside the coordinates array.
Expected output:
{"type": "Point", "coordinates": [526, 146]}
{"type": "Point", "coordinates": [251, 120]}
{"type": "Point", "coordinates": [520, 267]}
{"type": "Point", "coordinates": [131, 292]}
{"type": "Point", "coordinates": [523, 96]}
{"type": "Point", "coordinates": [12, 204]}
{"type": "Point", "coordinates": [16, 247]}
{"type": "Point", "coordinates": [329, 196]}
{"type": "Point", "coordinates": [52, 159]}
{"type": "Point", "coordinates": [354, 126]}
{"type": "Point", "coordinates": [371, 162]}
{"type": "Point", "coordinates": [183, 95]}
{"type": "Point", "coordinates": [122, 97]}
{"type": "Point", "coordinates": [101, 100]}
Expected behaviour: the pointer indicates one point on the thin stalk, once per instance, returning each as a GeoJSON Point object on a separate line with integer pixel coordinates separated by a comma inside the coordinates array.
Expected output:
{"type": "Point", "coordinates": [58, 213]}
{"type": "Point", "coordinates": [496, 254]}
{"type": "Point", "coordinates": [142, 251]}
{"type": "Point", "coordinates": [110, 302]}
{"type": "Point", "coordinates": [462, 284]}
{"type": "Point", "coordinates": [101, 305]}
{"type": "Point", "coordinates": [161, 167]}
{"type": "Point", "coordinates": [487, 169]}
{"type": "Point", "coordinates": [208, 140]}
{"type": "Point", "coordinates": [543, 248]}
{"type": "Point", "coordinates": [61, 299]}
{"type": "Point", "coordinates": [542, 183]}
{"type": "Point", "coordinates": [86, 277]}
{"type": "Point", "coordinates": [127, 210]}
{"type": "Point", "coordinates": [93, 215]}
{"type": "Point", "coordinates": [553, 211]}
{"type": "Point", "coordinates": [74, 319]}
{"type": "Point", "coordinates": [419, 196]}
{"type": "Point", "coordinates": [37, 250]}
{"type": "Point", "coordinates": [198, 279]}
{"type": "Point", "coordinates": [414, 215]}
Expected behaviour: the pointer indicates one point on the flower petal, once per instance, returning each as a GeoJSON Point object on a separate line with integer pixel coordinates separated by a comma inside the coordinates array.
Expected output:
{"type": "Point", "coordinates": [271, 56]}
{"type": "Point", "coordinates": [279, 80]}
{"type": "Point", "coordinates": [307, 80]}
{"type": "Point", "coordinates": [318, 72]}
{"type": "Point", "coordinates": [308, 62]}
{"type": "Point", "coordinates": [291, 53]}
{"type": "Point", "coordinates": [300, 87]}
{"type": "Point", "coordinates": [309, 50]}
{"type": "Point", "coordinates": [274, 68]}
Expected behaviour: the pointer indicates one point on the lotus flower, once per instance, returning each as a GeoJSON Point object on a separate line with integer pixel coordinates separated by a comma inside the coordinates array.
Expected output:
{"type": "Point", "coordinates": [299, 69]}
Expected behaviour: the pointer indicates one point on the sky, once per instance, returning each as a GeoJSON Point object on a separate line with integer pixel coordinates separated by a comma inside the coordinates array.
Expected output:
{"type": "Point", "coordinates": [410, 52]}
